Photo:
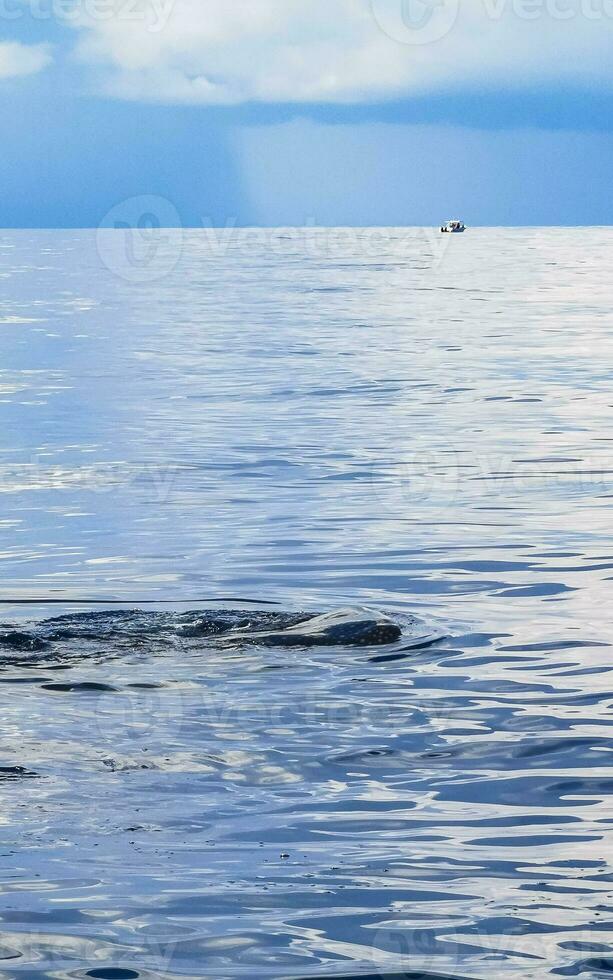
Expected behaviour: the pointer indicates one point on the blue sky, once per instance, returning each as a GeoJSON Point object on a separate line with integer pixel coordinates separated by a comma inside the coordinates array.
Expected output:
{"type": "Point", "coordinates": [287, 112]}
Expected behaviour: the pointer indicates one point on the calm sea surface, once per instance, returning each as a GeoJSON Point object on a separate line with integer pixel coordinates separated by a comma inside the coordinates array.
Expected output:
{"type": "Point", "coordinates": [314, 419]}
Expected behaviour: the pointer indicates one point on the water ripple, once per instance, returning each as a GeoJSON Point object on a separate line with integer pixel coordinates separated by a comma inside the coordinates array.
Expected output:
{"type": "Point", "coordinates": [308, 424]}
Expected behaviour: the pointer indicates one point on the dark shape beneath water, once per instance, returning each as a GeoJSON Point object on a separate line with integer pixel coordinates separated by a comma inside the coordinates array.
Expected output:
{"type": "Point", "coordinates": [101, 635]}
{"type": "Point", "coordinates": [410, 975]}
{"type": "Point", "coordinates": [345, 627]}
{"type": "Point", "coordinates": [15, 772]}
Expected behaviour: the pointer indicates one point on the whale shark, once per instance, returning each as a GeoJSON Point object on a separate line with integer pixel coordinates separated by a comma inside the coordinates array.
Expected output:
{"type": "Point", "coordinates": [343, 627]}
{"type": "Point", "coordinates": [81, 635]}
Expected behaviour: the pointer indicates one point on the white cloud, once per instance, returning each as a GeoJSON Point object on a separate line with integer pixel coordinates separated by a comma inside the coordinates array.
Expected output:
{"type": "Point", "coordinates": [232, 51]}
{"type": "Point", "coordinates": [22, 59]}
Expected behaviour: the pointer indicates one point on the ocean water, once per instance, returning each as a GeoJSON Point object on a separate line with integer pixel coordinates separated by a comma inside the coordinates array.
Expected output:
{"type": "Point", "coordinates": [251, 427]}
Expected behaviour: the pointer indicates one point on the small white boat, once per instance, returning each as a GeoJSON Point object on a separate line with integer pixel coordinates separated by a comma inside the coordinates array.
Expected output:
{"type": "Point", "coordinates": [453, 228]}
